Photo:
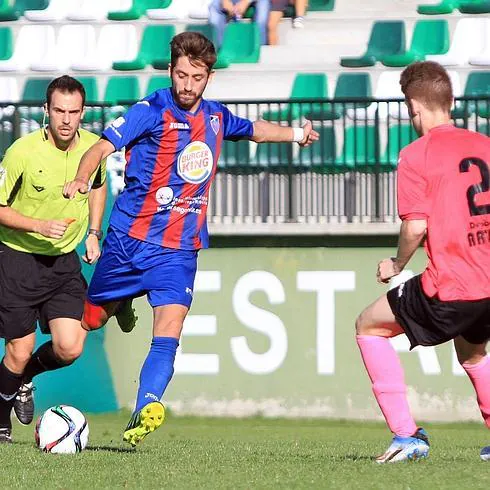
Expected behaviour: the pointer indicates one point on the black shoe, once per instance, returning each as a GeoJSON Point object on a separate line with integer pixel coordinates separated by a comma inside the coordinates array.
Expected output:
{"type": "Point", "coordinates": [24, 404]}
{"type": "Point", "coordinates": [5, 435]}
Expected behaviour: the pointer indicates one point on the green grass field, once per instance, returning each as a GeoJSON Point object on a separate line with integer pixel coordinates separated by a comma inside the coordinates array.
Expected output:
{"type": "Point", "coordinates": [250, 453]}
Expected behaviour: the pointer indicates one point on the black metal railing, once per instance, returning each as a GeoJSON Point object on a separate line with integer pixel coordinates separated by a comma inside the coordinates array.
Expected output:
{"type": "Point", "coordinates": [348, 176]}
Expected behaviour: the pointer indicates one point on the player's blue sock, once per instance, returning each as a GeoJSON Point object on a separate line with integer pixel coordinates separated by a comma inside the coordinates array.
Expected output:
{"type": "Point", "coordinates": [157, 370]}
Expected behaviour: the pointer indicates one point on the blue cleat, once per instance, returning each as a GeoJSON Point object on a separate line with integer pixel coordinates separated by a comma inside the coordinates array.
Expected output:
{"type": "Point", "coordinates": [485, 454]}
{"type": "Point", "coordinates": [406, 448]}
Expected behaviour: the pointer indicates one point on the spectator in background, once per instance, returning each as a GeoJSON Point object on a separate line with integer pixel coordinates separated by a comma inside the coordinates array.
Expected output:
{"type": "Point", "coordinates": [300, 7]}
{"type": "Point", "coordinates": [278, 8]}
{"type": "Point", "coordinates": [223, 11]}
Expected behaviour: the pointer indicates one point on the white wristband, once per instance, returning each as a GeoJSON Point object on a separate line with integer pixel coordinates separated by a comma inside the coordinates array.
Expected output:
{"type": "Point", "coordinates": [298, 134]}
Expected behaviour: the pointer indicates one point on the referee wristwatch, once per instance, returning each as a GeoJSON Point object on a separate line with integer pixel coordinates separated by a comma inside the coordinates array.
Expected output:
{"type": "Point", "coordinates": [98, 233]}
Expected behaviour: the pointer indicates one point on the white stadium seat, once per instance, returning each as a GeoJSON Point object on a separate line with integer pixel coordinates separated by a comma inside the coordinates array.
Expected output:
{"type": "Point", "coordinates": [88, 10]}
{"type": "Point", "coordinates": [200, 10]}
{"type": "Point", "coordinates": [483, 58]}
{"type": "Point", "coordinates": [178, 9]}
{"type": "Point", "coordinates": [32, 44]}
{"type": "Point", "coordinates": [9, 90]}
{"type": "Point", "coordinates": [116, 42]}
{"type": "Point", "coordinates": [56, 10]}
{"type": "Point", "coordinates": [468, 40]}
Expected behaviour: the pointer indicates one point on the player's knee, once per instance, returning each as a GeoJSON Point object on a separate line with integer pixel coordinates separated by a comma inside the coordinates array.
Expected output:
{"type": "Point", "coordinates": [94, 317]}
{"type": "Point", "coordinates": [68, 351]}
{"type": "Point", "coordinates": [361, 325]}
{"type": "Point", "coordinates": [17, 355]}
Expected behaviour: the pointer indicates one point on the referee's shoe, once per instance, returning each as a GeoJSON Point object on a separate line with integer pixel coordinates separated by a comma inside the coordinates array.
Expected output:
{"type": "Point", "coordinates": [24, 404]}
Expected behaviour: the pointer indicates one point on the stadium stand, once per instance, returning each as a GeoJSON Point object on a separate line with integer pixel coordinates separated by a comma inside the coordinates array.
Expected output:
{"type": "Point", "coordinates": [316, 72]}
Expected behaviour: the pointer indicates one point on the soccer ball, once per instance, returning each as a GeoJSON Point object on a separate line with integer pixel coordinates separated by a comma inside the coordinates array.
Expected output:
{"type": "Point", "coordinates": [61, 429]}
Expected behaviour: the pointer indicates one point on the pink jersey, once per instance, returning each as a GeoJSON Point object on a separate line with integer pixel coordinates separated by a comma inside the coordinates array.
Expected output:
{"type": "Point", "coordinates": [444, 177]}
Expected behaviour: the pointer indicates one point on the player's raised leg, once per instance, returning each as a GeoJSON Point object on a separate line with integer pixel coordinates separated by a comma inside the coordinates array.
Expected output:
{"type": "Point", "coordinates": [156, 373]}
{"type": "Point", "coordinates": [374, 327]}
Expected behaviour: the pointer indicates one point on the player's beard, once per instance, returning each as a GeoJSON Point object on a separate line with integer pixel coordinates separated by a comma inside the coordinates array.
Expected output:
{"type": "Point", "coordinates": [187, 100]}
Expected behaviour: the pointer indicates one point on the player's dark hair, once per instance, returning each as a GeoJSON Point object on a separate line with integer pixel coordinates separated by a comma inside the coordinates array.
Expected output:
{"type": "Point", "coordinates": [198, 48]}
{"type": "Point", "coordinates": [429, 83]}
{"type": "Point", "coordinates": [65, 84]}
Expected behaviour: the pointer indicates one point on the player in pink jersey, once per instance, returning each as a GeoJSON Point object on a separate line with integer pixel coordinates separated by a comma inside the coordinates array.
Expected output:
{"type": "Point", "coordinates": [443, 179]}
{"type": "Point", "coordinates": [173, 141]}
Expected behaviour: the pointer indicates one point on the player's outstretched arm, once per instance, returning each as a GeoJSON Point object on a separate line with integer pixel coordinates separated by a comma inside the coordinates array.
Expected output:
{"type": "Point", "coordinates": [412, 232]}
{"type": "Point", "coordinates": [88, 164]}
{"type": "Point", "coordinates": [268, 132]}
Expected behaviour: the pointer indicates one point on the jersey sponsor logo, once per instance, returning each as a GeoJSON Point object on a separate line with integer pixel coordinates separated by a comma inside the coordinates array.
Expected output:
{"type": "Point", "coordinates": [3, 175]}
{"type": "Point", "coordinates": [195, 163]}
{"type": "Point", "coordinates": [179, 125]}
{"type": "Point", "coordinates": [39, 188]}
{"type": "Point", "coordinates": [214, 121]}
{"type": "Point", "coordinates": [116, 124]}
{"type": "Point", "coordinates": [164, 195]}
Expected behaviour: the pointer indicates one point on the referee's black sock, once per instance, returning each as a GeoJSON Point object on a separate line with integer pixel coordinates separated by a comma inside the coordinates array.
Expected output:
{"type": "Point", "coordinates": [44, 359]}
{"type": "Point", "coordinates": [9, 385]}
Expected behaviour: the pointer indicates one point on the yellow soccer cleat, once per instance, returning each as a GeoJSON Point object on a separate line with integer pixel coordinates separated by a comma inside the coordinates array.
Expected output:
{"type": "Point", "coordinates": [149, 418]}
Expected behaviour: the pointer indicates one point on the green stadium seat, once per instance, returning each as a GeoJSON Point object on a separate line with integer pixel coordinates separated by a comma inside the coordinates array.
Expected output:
{"type": "Point", "coordinates": [138, 8]}
{"type": "Point", "coordinates": [399, 136]}
{"type": "Point", "coordinates": [204, 29]}
{"type": "Point", "coordinates": [484, 128]}
{"type": "Point", "coordinates": [429, 37]}
{"type": "Point", "coordinates": [321, 5]}
{"type": "Point", "coordinates": [154, 49]}
{"type": "Point", "coordinates": [320, 157]}
{"type": "Point", "coordinates": [241, 44]}
{"type": "Point", "coordinates": [93, 115]}
{"type": "Point", "coordinates": [349, 86]}
{"type": "Point", "coordinates": [6, 43]}
{"type": "Point", "coordinates": [444, 7]}
{"type": "Point", "coordinates": [305, 86]}
{"type": "Point", "coordinates": [477, 84]}
{"type": "Point", "coordinates": [235, 157]}
{"type": "Point", "coordinates": [474, 7]}
{"type": "Point", "coordinates": [274, 157]}
{"type": "Point", "coordinates": [360, 151]}
{"type": "Point", "coordinates": [157, 82]}
{"type": "Point", "coordinates": [122, 90]}
{"type": "Point", "coordinates": [35, 90]}
{"type": "Point", "coordinates": [10, 11]}
{"type": "Point", "coordinates": [387, 38]}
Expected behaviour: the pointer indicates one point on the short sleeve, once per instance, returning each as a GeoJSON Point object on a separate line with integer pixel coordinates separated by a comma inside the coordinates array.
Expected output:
{"type": "Point", "coordinates": [413, 202]}
{"type": "Point", "coordinates": [11, 170]}
{"type": "Point", "coordinates": [100, 175]}
{"type": "Point", "coordinates": [235, 127]}
{"type": "Point", "coordinates": [138, 120]}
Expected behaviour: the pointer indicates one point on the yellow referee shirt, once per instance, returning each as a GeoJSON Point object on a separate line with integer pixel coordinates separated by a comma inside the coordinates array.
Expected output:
{"type": "Point", "coordinates": [32, 176]}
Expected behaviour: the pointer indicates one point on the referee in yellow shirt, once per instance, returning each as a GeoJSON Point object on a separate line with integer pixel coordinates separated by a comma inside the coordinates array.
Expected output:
{"type": "Point", "coordinates": [40, 272]}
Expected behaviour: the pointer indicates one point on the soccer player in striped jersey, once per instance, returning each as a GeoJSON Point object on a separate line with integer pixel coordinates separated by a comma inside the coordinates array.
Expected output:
{"type": "Point", "coordinates": [443, 181]}
{"type": "Point", "coordinates": [173, 141]}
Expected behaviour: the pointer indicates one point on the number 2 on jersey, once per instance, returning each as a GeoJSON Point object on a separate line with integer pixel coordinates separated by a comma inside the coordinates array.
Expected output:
{"type": "Point", "coordinates": [473, 190]}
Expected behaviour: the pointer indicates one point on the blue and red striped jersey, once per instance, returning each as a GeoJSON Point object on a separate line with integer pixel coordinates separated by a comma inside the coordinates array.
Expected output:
{"type": "Point", "coordinates": [171, 160]}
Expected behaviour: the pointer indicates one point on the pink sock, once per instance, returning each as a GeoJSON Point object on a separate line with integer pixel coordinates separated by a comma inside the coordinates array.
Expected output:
{"type": "Point", "coordinates": [386, 373]}
{"type": "Point", "coordinates": [480, 377]}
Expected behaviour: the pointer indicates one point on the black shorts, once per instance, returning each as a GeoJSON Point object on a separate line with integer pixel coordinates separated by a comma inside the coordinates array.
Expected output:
{"type": "Point", "coordinates": [38, 287]}
{"type": "Point", "coordinates": [429, 321]}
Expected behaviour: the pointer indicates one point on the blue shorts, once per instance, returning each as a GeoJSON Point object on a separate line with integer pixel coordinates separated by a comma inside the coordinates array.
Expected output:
{"type": "Point", "coordinates": [129, 268]}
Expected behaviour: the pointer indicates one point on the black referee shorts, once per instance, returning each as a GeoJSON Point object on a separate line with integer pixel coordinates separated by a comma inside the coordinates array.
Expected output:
{"type": "Point", "coordinates": [429, 321]}
{"type": "Point", "coordinates": [38, 287]}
